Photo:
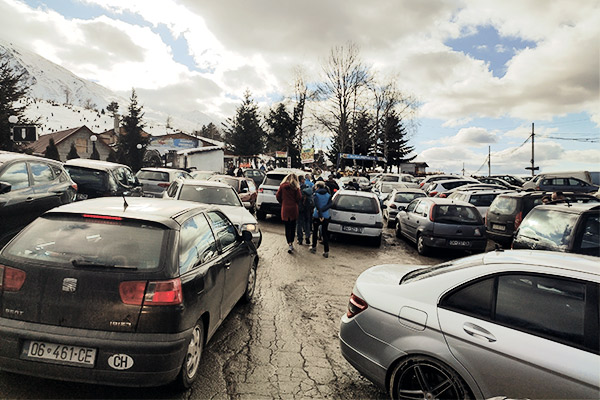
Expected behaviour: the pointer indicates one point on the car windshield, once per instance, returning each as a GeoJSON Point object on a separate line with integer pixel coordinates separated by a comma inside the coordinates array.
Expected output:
{"type": "Point", "coordinates": [407, 197]}
{"type": "Point", "coordinates": [503, 205]}
{"type": "Point", "coordinates": [357, 204]}
{"type": "Point", "coordinates": [230, 181]}
{"type": "Point", "coordinates": [274, 179]}
{"type": "Point", "coordinates": [223, 196]}
{"type": "Point", "coordinates": [153, 176]}
{"type": "Point", "coordinates": [79, 241]}
{"type": "Point", "coordinates": [456, 214]}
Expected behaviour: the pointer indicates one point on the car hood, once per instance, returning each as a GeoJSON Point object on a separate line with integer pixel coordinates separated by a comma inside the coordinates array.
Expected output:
{"type": "Point", "coordinates": [238, 215]}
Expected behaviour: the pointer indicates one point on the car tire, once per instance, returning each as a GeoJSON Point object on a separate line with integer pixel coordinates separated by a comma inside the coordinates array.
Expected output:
{"type": "Point", "coordinates": [421, 376]}
{"type": "Point", "coordinates": [260, 215]}
{"type": "Point", "coordinates": [398, 230]}
{"type": "Point", "coordinates": [250, 284]}
{"type": "Point", "coordinates": [191, 360]}
{"type": "Point", "coordinates": [390, 223]}
{"type": "Point", "coordinates": [422, 248]}
{"type": "Point", "coordinates": [377, 240]}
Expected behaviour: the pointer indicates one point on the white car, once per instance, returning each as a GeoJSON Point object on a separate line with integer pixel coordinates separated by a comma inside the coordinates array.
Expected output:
{"type": "Point", "coordinates": [266, 203]}
{"type": "Point", "coordinates": [399, 198]}
{"type": "Point", "coordinates": [383, 189]}
{"type": "Point", "coordinates": [357, 213]}
{"type": "Point", "coordinates": [404, 178]}
{"type": "Point", "coordinates": [481, 199]}
{"type": "Point", "coordinates": [221, 195]}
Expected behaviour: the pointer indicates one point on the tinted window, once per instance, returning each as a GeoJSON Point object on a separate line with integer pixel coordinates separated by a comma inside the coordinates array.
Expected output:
{"type": "Point", "coordinates": [224, 196]}
{"type": "Point", "coordinates": [172, 190]}
{"type": "Point", "coordinates": [16, 175]}
{"type": "Point", "coordinates": [548, 228]}
{"type": "Point", "coordinates": [482, 200]}
{"type": "Point", "coordinates": [555, 307]}
{"type": "Point", "coordinates": [474, 299]}
{"type": "Point", "coordinates": [153, 176]}
{"type": "Point", "coordinates": [274, 179]}
{"type": "Point", "coordinates": [590, 235]}
{"type": "Point", "coordinates": [93, 241]}
{"type": "Point", "coordinates": [503, 205]}
{"type": "Point", "coordinates": [223, 228]}
{"type": "Point", "coordinates": [358, 204]}
{"type": "Point", "coordinates": [389, 178]}
{"type": "Point", "coordinates": [197, 243]}
{"type": "Point", "coordinates": [88, 177]}
{"type": "Point", "coordinates": [456, 214]}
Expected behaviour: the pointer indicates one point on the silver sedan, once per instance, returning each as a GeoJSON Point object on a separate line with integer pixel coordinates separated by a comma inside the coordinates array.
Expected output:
{"type": "Point", "coordinates": [522, 324]}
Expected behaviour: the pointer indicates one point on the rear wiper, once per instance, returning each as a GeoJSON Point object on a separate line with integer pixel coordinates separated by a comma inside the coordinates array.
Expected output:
{"type": "Point", "coordinates": [80, 263]}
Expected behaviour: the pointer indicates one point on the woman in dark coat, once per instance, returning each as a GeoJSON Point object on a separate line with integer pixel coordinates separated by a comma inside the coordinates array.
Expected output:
{"type": "Point", "coordinates": [288, 196]}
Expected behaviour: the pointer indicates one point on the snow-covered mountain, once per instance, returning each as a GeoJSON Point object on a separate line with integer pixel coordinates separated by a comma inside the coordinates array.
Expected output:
{"type": "Point", "coordinates": [59, 99]}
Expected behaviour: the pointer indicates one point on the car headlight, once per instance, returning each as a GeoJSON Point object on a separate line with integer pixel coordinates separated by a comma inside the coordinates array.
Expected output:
{"type": "Point", "coordinates": [249, 227]}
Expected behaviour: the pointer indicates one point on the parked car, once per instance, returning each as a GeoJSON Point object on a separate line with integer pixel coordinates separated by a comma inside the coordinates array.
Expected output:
{"type": "Point", "coordinates": [266, 203]}
{"type": "Point", "coordinates": [405, 178]}
{"type": "Point", "coordinates": [383, 189]}
{"type": "Point", "coordinates": [471, 186]}
{"type": "Point", "coordinates": [481, 199]}
{"type": "Point", "coordinates": [96, 178]}
{"type": "Point", "coordinates": [357, 213]}
{"type": "Point", "coordinates": [121, 292]}
{"type": "Point", "coordinates": [510, 179]}
{"type": "Point", "coordinates": [520, 324]}
{"type": "Point", "coordinates": [441, 223]}
{"type": "Point", "coordinates": [256, 175]}
{"type": "Point", "coordinates": [30, 186]}
{"type": "Point", "coordinates": [442, 186]}
{"type": "Point", "coordinates": [498, 181]}
{"type": "Point", "coordinates": [244, 187]}
{"type": "Point", "coordinates": [565, 227]}
{"type": "Point", "coordinates": [505, 214]}
{"type": "Point", "coordinates": [221, 195]}
{"type": "Point", "coordinates": [156, 180]}
{"type": "Point", "coordinates": [202, 175]}
{"type": "Point", "coordinates": [363, 182]}
{"type": "Point", "coordinates": [581, 175]}
{"type": "Point", "coordinates": [554, 184]}
{"type": "Point", "coordinates": [433, 178]}
{"type": "Point", "coordinates": [399, 198]}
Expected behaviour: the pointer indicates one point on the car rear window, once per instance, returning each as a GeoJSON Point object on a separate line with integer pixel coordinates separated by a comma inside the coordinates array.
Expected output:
{"type": "Point", "coordinates": [503, 205]}
{"type": "Point", "coordinates": [274, 179]}
{"type": "Point", "coordinates": [456, 214]}
{"type": "Point", "coordinates": [550, 228]}
{"type": "Point", "coordinates": [482, 200]}
{"type": "Point", "coordinates": [407, 197]}
{"type": "Point", "coordinates": [90, 242]}
{"type": "Point", "coordinates": [224, 196]}
{"type": "Point", "coordinates": [359, 204]}
{"type": "Point", "coordinates": [154, 176]}
{"type": "Point", "coordinates": [389, 178]}
{"type": "Point", "coordinates": [90, 178]}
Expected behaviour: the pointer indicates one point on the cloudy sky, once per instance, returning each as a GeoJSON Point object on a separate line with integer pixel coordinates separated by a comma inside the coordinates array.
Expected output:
{"type": "Point", "coordinates": [483, 71]}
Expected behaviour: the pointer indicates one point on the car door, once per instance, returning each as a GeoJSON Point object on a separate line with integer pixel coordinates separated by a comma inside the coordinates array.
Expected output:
{"type": "Point", "coordinates": [404, 218]}
{"type": "Point", "coordinates": [17, 206]}
{"type": "Point", "coordinates": [414, 219]}
{"type": "Point", "coordinates": [47, 191]}
{"type": "Point", "coordinates": [235, 257]}
{"type": "Point", "coordinates": [546, 349]}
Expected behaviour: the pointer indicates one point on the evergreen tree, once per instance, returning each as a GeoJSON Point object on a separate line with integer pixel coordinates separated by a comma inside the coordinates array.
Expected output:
{"type": "Point", "coordinates": [112, 108]}
{"type": "Point", "coordinates": [282, 133]}
{"type": "Point", "coordinates": [52, 151]}
{"type": "Point", "coordinates": [72, 152]}
{"type": "Point", "coordinates": [244, 135]}
{"type": "Point", "coordinates": [398, 148]}
{"type": "Point", "coordinates": [112, 157]}
{"type": "Point", "coordinates": [127, 143]}
{"type": "Point", "coordinates": [12, 89]}
{"type": "Point", "coordinates": [210, 131]}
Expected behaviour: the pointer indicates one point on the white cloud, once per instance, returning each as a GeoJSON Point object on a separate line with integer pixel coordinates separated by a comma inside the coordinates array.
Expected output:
{"type": "Point", "coordinates": [473, 136]}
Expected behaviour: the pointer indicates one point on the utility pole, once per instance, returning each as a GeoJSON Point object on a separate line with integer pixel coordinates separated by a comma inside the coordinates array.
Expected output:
{"type": "Point", "coordinates": [533, 168]}
{"type": "Point", "coordinates": [489, 160]}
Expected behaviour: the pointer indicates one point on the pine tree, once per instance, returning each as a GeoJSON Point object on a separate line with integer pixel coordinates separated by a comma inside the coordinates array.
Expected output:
{"type": "Point", "coordinates": [127, 144]}
{"type": "Point", "coordinates": [244, 135]}
{"type": "Point", "coordinates": [282, 133]}
{"type": "Point", "coordinates": [72, 152]}
{"type": "Point", "coordinates": [12, 89]}
{"type": "Point", "coordinates": [398, 148]}
{"type": "Point", "coordinates": [112, 108]}
{"type": "Point", "coordinates": [52, 151]}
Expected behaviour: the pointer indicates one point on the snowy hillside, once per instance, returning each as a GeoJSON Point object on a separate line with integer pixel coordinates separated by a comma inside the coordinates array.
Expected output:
{"type": "Point", "coordinates": [58, 99]}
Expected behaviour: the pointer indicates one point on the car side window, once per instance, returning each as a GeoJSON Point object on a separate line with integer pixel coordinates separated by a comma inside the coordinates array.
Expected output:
{"type": "Point", "coordinates": [243, 185]}
{"type": "Point", "coordinates": [197, 243]}
{"type": "Point", "coordinates": [474, 299]}
{"type": "Point", "coordinates": [590, 236]}
{"type": "Point", "coordinates": [172, 190]}
{"type": "Point", "coordinates": [412, 206]}
{"type": "Point", "coordinates": [16, 175]}
{"type": "Point", "coordinates": [41, 173]}
{"type": "Point", "coordinates": [224, 229]}
{"type": "Point", "coordinates": [421, 208]}
{"type": "Point", "coordinates": [252, 186]}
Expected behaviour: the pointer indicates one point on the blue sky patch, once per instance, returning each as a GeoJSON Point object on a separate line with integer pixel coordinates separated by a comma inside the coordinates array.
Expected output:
{"type": "Point", "coordinates": [487, 45]}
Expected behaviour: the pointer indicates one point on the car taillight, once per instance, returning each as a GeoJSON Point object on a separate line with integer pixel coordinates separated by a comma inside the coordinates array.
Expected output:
{"type": "Point", "coordinates": [163, 185]}
{"type": "Point", "coordinates": [442, 195]}
{"type": "Point", "coordinates": [74, 186]}
{"type": "Point", "coordinates": [355, 306]}
{"type": "Point", "coordinates": [431, 194]}
{"type": "Point", "coordinates": [421, 184]}
{"type": "Point", "coordinates": [431, 209]}
{"type": "Point", "coordinates": [518, 220]}
{"type": "Point", "coordinates": [154, 293]}
{"type": "Point", "coordinates": [393, 205]}
{"type": "Point", "coordinates": [11, 279]}
{"type": "Point", "coordinates": [260, 190]}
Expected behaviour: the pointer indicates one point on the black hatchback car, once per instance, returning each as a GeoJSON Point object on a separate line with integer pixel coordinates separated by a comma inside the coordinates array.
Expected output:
{"type": "Point", "coordinates": [120, 291]}
{"type": "Point", "coordinates": [30, 186]}
{"type": "Point", "coordinates": [96, 178]}
{"type": "Point", "coordinates": [565, 227]}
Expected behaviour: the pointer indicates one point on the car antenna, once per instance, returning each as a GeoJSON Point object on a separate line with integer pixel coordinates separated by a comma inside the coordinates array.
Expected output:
{"type": "Point", "coordinates": [125, 205]}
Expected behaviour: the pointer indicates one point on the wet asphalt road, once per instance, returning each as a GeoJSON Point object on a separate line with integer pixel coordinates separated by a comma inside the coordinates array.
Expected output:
{"type": "Point", "coordinates": [284, 344]}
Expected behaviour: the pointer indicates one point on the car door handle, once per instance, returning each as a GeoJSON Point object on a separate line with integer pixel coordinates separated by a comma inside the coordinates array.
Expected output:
{"type": "Point", "coordinates": [29, 199]}
{"type": "Point", "coordinates": [478, 332]}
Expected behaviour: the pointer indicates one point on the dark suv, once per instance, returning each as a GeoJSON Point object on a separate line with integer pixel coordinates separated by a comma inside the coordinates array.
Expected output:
{"type": "Point", "coordinates": [118, 292]}
{"type": "Point", "coordinates": [571, 228]}
{"type": "Point", "coordinates": [507, 211]}
{"type": "Point", "coordinates": [30, 186]}
{"type": "Point", "coordinates": [102, 179]}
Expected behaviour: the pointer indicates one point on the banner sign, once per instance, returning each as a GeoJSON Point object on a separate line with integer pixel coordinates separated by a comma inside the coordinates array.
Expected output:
{"type": "Point", "coordinates": [307, 156]}
{"type": "Point", "coordinates": [360, 157]}
{"type": "Point", "coordinates": [281, 154]}
{"type": "Point", "coordinates": [174, 143]}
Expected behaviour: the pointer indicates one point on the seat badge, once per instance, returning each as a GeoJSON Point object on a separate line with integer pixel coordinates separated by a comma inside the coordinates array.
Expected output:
{"type": "Point", "coordinates": [69, 285]}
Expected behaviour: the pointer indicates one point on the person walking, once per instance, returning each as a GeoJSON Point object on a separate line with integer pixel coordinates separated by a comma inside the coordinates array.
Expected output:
{"type": "Point", "coordinates": [332, 185]}
{"type": "Point", "coordinates": [321, 217]}
{"type": "Point", "coordinates": [305, 211]}
{"type": "Point", "coordinates": [288, 195]}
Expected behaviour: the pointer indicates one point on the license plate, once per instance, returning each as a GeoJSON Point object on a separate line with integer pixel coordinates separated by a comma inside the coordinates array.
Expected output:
{"type": "Point", "coordinates": [498, 227]}
{"type": "Point", "coordinates": [354, 229]}
{"type": "Point", "coordinates": [59, 353]}
{"type": "Point", "coordinates": [459, 243]}
{"type": "Point", "coordinates": [81, 196]}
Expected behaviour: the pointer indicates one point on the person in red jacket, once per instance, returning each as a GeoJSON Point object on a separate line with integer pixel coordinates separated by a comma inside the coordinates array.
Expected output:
{"type": "Point", "coordinates": [288, 195]}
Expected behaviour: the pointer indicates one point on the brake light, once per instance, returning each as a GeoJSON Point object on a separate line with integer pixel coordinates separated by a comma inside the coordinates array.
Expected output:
{"type": "Point", "coordinates": [518, 220]}
{"type": "Point", "coordinates": [431, 194]}
{"type": "Point", "coordinates": [105, 217]}
{"type": "Point", "coordinates": [355, 306]}
{"type": "Point", "coordinates": [260, 190]}
{"type": "Point", "coordinates": [442, 195]}
{"type": "Point", "coordinates": [74, 186]}
{"type": "Point", "coordinates": [421, 184]}
{"type": "Point", "coordinates": [163, 185]}
{"type": "Point", "coordinates": [431, 209]}
{"type": "Point", "coordinates": [11, 279]}
{"type": "Point", "coordinates": [154, 293]}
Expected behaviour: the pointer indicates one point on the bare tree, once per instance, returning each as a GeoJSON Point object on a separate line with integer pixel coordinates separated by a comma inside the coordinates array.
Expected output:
{"type": "Point", "coordinates": [89, 104]}
{"type": "Point", "coordinates": [345, 75]}
{"type": "Point", "coordinates": [67, 93]}
{"type": "Point", "coordinates": [300, 92]}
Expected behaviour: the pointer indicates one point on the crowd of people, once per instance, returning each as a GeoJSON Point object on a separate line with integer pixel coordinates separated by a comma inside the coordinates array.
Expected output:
{"type": "Point", "coordinates": [305, 210]}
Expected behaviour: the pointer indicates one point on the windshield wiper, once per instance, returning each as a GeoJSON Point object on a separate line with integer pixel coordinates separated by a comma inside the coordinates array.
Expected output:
{"type": "Point", "coordinates": [82, 263]}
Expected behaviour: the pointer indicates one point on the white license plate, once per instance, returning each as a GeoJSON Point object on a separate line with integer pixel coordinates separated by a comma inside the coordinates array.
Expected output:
{"type": "Point", "coordinates": [60, 353]}
{"type": "Point", "coordinates": [81, 196]}
{"type": "Point", "coordinates": [498, 227]}
{"type": "Point", "coordinates": [354, 229]}
{"type": "Point", "coordinates": [459, 243]}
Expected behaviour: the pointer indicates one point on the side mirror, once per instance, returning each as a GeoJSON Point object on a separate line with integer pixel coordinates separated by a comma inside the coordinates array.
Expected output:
{"type": "Point", "coordinates": [401, 208]}
{"type": "Point", "coordinates": [5, 187]}
{"type": "Point", "coordinates": [246, 236]}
